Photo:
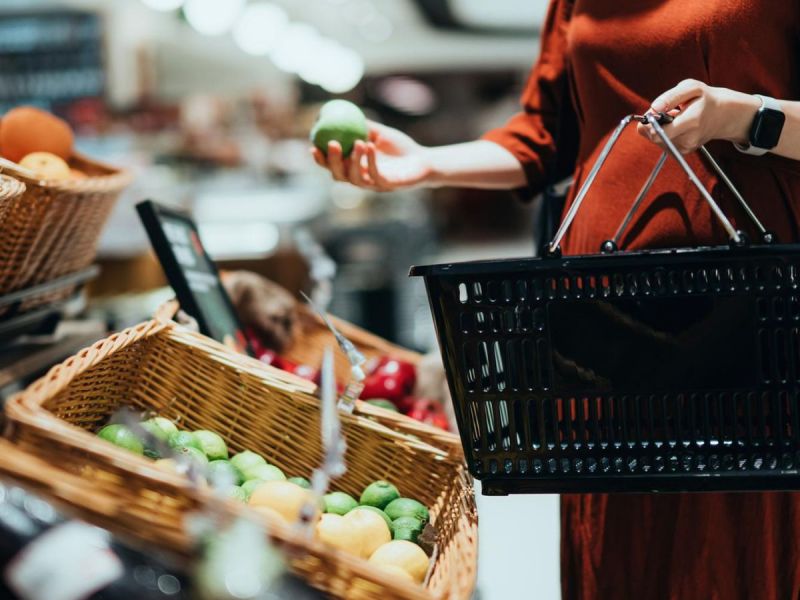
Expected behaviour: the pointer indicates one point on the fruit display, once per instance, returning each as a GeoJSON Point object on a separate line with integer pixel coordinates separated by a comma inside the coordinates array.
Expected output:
{"type": "Point", "coordinates": [39, 142]}
{"type": "Point", "coordinates": [339, 121]}
{"type": "Point", "coordinates": [381, 526]}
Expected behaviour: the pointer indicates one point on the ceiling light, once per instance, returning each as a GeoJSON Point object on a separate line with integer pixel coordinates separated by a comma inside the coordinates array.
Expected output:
{"type": "Point", "coordinates": [212, 17]}
{"type": "Point", "coordinates": [163, 5]}
{"type": "Point", "coordinates": [260, 27]}
{"type": "Point", "coordinates": [297, 48]}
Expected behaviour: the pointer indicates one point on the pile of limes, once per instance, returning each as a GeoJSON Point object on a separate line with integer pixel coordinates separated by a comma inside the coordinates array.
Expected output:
{"type": "Point", "coordinates": [381, 526]}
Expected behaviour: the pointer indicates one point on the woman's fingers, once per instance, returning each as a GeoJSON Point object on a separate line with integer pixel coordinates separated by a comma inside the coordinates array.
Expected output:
{"type": "Point", "coordinates": [336, 161]}
{"type": "Point", "coordinates": [372, 167]}
{"type": "Point", "coordinates": [319, 157]}
{"type": "Point", "coordinates": [357, 172]}
{"type": "Point", "coordinates": [686, 90]}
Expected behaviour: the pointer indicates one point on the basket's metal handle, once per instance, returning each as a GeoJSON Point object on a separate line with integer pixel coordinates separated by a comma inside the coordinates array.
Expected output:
{"type": "Point", "coordinates": [655, 121]}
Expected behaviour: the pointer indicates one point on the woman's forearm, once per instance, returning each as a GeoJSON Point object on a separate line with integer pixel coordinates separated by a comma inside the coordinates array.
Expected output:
{"type": "Point", "coordinates": [479, 164]}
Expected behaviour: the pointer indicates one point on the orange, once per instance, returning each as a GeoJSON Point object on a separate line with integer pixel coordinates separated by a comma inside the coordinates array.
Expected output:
{"type": "Point", "coordinates": [26, 129]}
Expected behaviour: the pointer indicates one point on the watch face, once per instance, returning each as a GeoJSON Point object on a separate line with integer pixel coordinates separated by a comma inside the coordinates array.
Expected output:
{"type": "Point", "coordinates": [767, 128]}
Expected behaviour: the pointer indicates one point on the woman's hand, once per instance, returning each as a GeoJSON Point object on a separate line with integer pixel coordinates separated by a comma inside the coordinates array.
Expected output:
{"type": "Point", "coordinates": [703, 113]}
{"type": "Point", "coordinates": [390, 160]}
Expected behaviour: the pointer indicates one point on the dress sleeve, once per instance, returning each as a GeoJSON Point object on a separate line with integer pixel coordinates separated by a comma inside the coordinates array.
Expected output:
{"type": "Point", "coordinates": [548, 118]}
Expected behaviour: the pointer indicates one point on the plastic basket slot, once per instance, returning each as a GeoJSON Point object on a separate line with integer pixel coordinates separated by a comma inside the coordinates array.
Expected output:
{"type": "Point", "coordinates": [577, 286]}
{"type": "Point", "coordinates": [513, 356]}
{"type": "Point", "coordinates": [565, 287]}
{"type": "Point", "coordinates": [463, 297]}
{"type": "Point", "coordinates": [507, 430]}
{"type": "Point", "coordinates": [508, 291]}
{"type": "Point", "coordinates": [492, 291]}
{"type": "Point", "coordinates": [794, 308]}
{"type": "Point", "coordinates": [467, 321]}
{"type": "Point", "coordinates": [791, 276]}
{"type": "Point", "coordinates": [487, 376]}
{"type": "Point", "coordinates": [550, 420]}
{"type": "Point", "coordinates": [619, 285]}
{"type": "Point", "coordinates": [529, 364]}
{"type": "Point", "coordinates": [537, 289]}
{"type": "Point", "coordinates": [701, 281]}
{"type": "Point", "coordinates": [534, 424]}
{"type": "Point", "coordinates": [688, 282]}
{"type": "Point", "coordinates": [777, 275]}
{"type": "Point", "coordinates": [631, 284]}
{"type": "Point", "coordinates": [778, 308]}
{"type": "Point", "coordinates": [758, 277]}
{"type": "Point", "coordinates": [477, 292]}
{"type": "Point", "coordinates": [762, 309]}
{"type": "Point", "coordinates": [781, 355]}
{"type": "Point", "coordinates": [565, 419]}
{"type": "Point", "coordinates": [550, 288]}
{"type": "Point", "coordinates": [509, 321]}
{"type": "Point", "coordinates": [480, 321]}
{"type": "Point", "coordinates": [544, 367]}
{"type": "Point", "coordinates": [524, 317]}
{"type": "Point", "coordinates": [604, 287]}
{"type": "Point", "coordinates": [590, 285]}
{"type": "Point", "coordinates": [538, 318]}
{"type": "Point", "coordinates": [499, 368]}
{"type": "Point", "coordinates": [645, 283]}
{"type": "Point", "coordinates": [674, 282]}
{"type": "Point", "coordinates": [495, 321]}
{"type": "Point", "coordinates": [473, 419]}
{"type": "Point", "coordinates": [487, 426]}
{"type": "Point", "coordinates": [469, 367]}
{"type": "Point", "coordinates": [521, 287]}
{"type": "Point", "coordinates": [765, 351]}
{"type": "Point", "coordinates": [794, 347]}
{"type": "Point", "coordinates": [581, 409]}
{"type": "Point", "coordinates": [518, 429]}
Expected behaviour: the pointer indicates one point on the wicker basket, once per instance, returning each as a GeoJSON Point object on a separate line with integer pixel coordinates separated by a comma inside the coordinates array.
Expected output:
{"type": "Point", "coordinates": [308, 350]}
{"type": "Point", "coordinates": [52, 228]}
{"type": "Point", "coordinates": [185, 376]}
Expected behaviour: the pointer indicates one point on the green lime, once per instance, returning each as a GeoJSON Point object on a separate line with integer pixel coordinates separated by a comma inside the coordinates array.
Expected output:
{"type": "Point", "coordinates": [237, 493]}
{"type": "Point", "coordinates": [193, 456]}
{"type": "Point", "coordinates": [249, 486]}
{"type": "Point", "coordinates": [381, 403]}
{"type": "Point", "coordinates": [212, 444]}
{"type": "Point", "coordinates": [267, 473]}
{"type": "Point", "coordinates": [339, 503]}
{"type": "Point", "coordinates": [340, 121]}
{"type": "Point", "coordinates": [407, 528]}
{"type": "Point", "coordinates": [121, 436]}
{"type": "Point", "coordinates": [406, 507]}
{"type": "Point", "coordinates": [221, 474]}
{"type": "Point", "coordinates": [389, 523]}
{"type": "Point", "coordinates": [379, 494]}
{"type": "Point", "coordinates": [182, 439]}
{"type": "Point", "coordinates": [247, 461]}
{"type": "Point", "coordinates": [301, 481]}
{"type": "Point", "coordinates": [160, 427]}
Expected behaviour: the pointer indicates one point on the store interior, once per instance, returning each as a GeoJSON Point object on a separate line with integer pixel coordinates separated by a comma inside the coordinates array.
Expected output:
{"type": "Point", "coordinates": [208, 104]}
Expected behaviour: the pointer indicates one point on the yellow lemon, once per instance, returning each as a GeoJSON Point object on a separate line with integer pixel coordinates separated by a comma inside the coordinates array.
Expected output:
{"type": "Point", "coordinates": [333, 530]}
{"type": "Point", "coordinates": [167, 465]}
{"type": "Point", "coordinates": [371, 527]}
{"type": "Point", "coordinates": [396, 571]}
{"type": "Point", "coordinates": [405, 555]}
{"type": "Point", "coordinates": [270, 513]}
{"type": "Point", "coordinates": [46, 165]}
{"type": "Point", "coordinates": [284, 497]}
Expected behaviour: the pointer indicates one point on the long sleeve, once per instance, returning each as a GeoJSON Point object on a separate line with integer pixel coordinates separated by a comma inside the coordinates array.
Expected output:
{"type": "Point", "coordinates": [547, 121]}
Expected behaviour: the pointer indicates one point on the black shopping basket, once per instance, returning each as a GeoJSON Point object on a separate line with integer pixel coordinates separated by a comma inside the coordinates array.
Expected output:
{"type": "Point", "coordinates": [642, 371]}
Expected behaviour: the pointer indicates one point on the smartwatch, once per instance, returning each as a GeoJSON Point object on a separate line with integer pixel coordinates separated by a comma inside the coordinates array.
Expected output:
{"type": "Point", "coordinates": [765, 132]}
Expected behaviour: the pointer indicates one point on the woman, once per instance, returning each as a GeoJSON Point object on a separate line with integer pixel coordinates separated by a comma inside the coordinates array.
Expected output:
{"type": "Point", "coordinates": [600, 60]}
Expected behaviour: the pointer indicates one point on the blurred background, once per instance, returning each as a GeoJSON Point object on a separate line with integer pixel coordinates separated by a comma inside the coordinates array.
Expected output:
{"type": "Point", "coordinates": [209, 103]}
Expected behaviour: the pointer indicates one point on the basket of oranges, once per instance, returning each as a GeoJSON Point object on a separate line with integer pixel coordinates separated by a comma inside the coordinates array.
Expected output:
{"type": "Point", "coordinates": [52, 227]}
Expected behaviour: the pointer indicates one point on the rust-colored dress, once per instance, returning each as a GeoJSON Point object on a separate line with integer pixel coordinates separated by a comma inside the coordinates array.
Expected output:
{"type": "Point", "coordinates": [600, 60]}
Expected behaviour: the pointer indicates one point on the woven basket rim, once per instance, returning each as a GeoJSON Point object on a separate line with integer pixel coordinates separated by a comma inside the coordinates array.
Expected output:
{"type": "Point", "coordinates": [10, 187]}
{"type": "Point", "coordinates": [115, 178]}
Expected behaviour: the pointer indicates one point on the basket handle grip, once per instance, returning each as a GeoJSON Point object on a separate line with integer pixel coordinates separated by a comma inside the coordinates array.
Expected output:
{"type": "Point", "coordinates": [737, 238]}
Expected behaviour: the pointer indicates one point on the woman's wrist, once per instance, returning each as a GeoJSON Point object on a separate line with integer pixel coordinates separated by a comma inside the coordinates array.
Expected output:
{"type": "Point", "coordinates": [738, 112]}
